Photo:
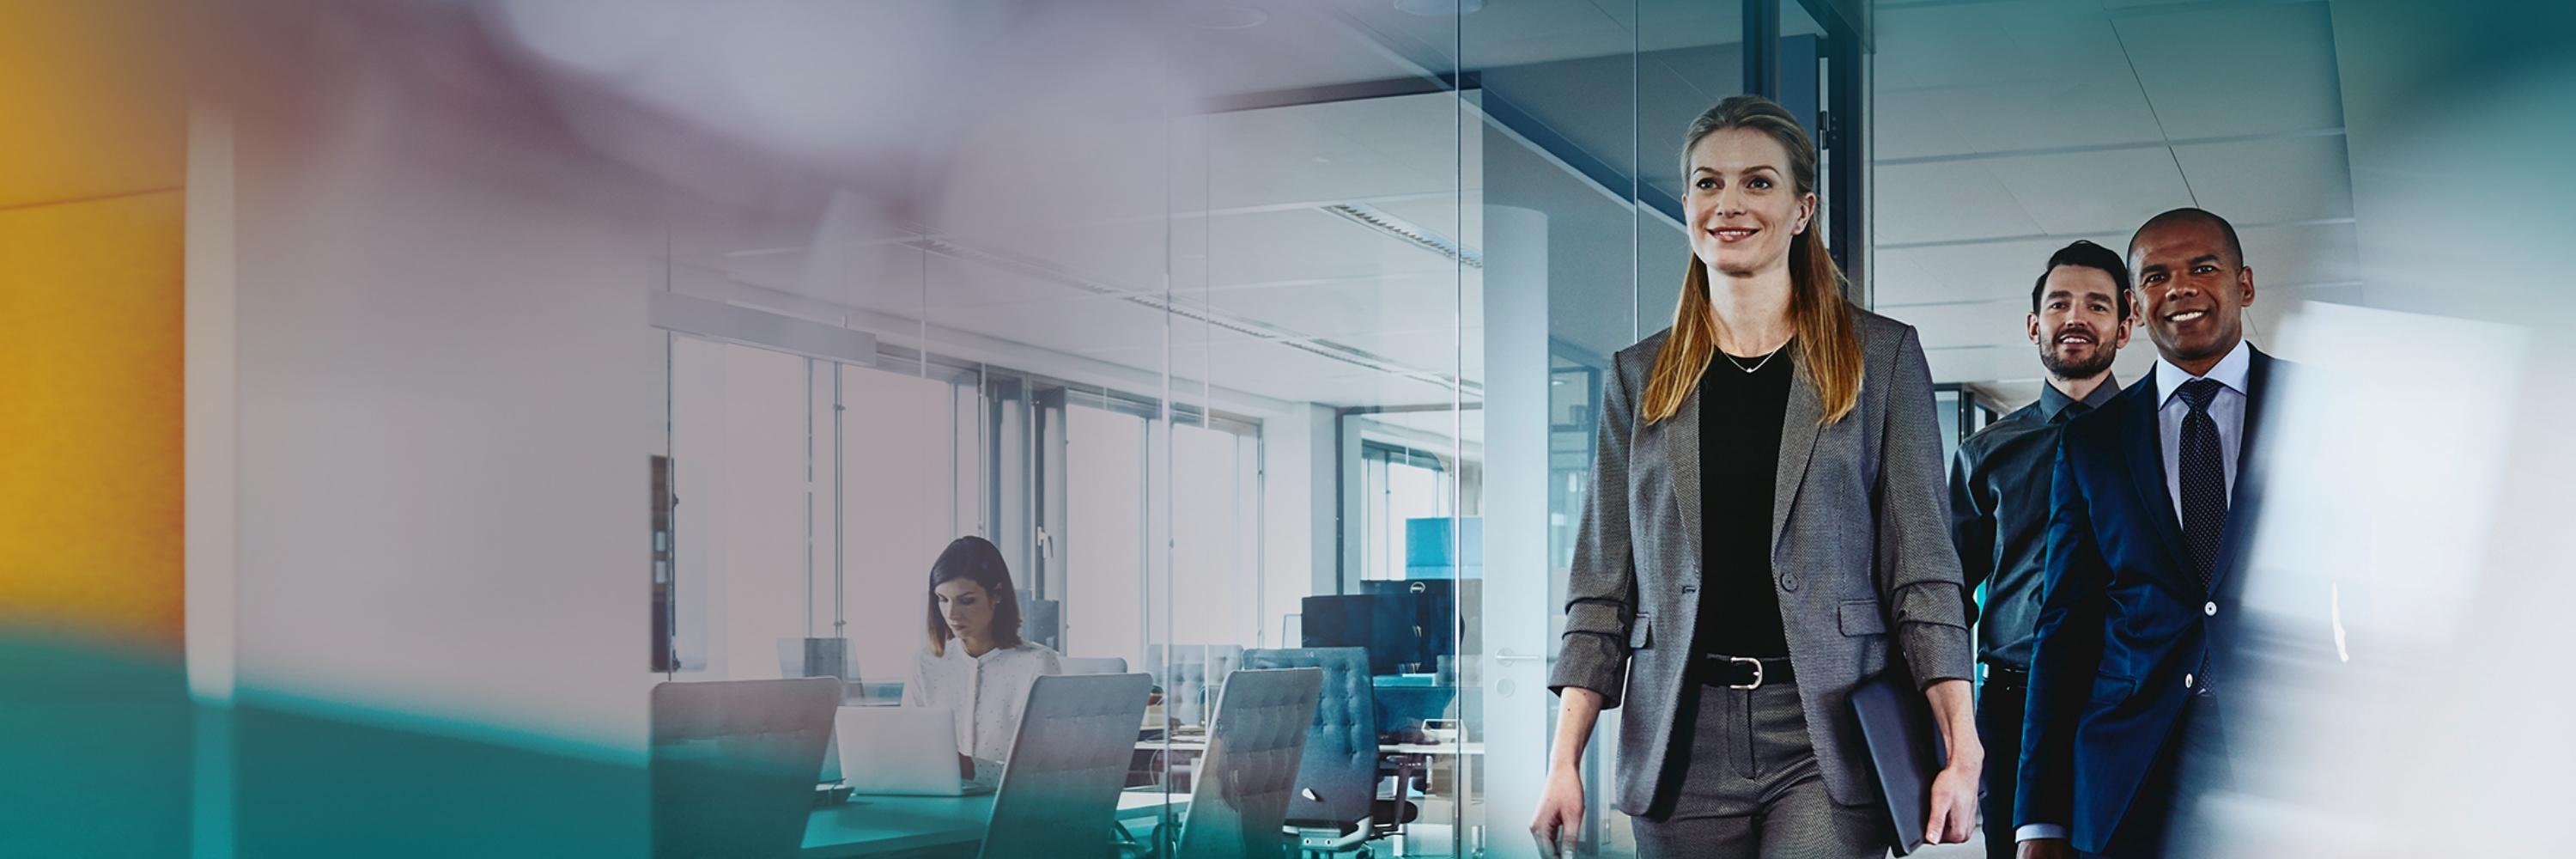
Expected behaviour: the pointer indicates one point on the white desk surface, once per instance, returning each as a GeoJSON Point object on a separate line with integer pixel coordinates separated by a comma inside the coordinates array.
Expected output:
{"type": "Point", "coordinates": [878, 825]}
{"type": "Point", "coordinates": [1199, 744]}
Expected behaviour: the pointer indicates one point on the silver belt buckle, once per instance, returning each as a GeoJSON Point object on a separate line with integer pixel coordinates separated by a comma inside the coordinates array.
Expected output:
{"type": "Point", "coordinates": [1757, 672]}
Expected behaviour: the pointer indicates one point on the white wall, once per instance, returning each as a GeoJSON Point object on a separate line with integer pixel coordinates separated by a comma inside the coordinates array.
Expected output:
{"type": "Point", "coordinates": [1297, 507]}
{"type": "Point", "coordinates": [442, 456]}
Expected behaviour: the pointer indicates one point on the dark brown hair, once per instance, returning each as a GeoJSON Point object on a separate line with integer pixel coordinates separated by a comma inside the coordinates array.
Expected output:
{"type": "Point", "coordinates": [2088, 255]}
{"type": "Point", "coordinates": [977, 560]}
{"type": "Point", "coordinates": [1828, 350]}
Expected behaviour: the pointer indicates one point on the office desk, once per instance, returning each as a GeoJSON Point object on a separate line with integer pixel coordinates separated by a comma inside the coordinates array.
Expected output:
{"type": "Point", "coordinates": [882, 825]}
{"type": "Point", "coordinates": [1198, 745]}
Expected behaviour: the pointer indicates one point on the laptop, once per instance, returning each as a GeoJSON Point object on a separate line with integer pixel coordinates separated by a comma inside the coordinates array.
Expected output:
{"type": "Point", "coordinates": [900, 751]}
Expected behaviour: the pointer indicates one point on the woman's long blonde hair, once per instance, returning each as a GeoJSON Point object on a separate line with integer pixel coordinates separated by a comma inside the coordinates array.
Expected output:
{"type": "Point", "coordinates": [1828, 350]}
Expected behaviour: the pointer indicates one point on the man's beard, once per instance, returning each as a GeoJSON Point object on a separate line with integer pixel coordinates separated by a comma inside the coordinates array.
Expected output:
{"type": "Point", "coordinates": [2062, 368]}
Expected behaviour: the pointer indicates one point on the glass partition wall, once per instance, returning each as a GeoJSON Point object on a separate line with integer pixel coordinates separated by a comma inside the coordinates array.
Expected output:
{"type": "Point", "coordinates": [1246, 328]}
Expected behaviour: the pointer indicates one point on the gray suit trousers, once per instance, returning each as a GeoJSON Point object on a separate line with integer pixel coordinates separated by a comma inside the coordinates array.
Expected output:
{"type": "Point", "coordinates": [1748, 786]}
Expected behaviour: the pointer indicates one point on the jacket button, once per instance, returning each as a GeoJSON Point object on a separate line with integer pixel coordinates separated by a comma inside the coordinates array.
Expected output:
{"type": "Point", "coordinates": [1788, 582]}
{"type": "Point", "coordinates": [2186, 681]}
{"type": "Point", "coordinates": [2210, 609]}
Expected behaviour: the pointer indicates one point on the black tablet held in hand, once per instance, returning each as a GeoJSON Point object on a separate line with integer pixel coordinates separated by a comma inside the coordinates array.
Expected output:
{"type": "Point", "coordinates": [1905, 750]}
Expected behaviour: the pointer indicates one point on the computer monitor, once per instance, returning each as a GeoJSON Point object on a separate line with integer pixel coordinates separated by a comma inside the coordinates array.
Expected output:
{"type": "Point", "coordinates": [1414, 623]}
{"type": "Point", "coordinates": [1343, 620]}
{"type": "Point", "coordinates": [1406, 624]}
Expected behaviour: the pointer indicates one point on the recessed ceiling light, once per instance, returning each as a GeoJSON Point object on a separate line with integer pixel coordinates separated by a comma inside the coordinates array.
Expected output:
{"type": "Point", "coordinates": [1439, 8]}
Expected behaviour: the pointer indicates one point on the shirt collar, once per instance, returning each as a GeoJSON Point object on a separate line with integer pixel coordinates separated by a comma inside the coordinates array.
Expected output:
{"type": "Point", "coordinates": [2053, 401]}
{"type": "Point", "coordinates": [2231, 371]}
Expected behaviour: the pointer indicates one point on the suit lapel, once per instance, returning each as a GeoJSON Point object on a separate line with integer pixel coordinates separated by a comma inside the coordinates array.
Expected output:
{"type": "Point", "coordinates": [1797, 446]}
{"type": "Point", "coordinates": [2146, 447]}
{"type": "Point", "coordinates": [1681, 451]}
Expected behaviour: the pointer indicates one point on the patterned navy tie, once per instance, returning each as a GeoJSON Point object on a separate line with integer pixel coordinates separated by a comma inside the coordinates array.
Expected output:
{"type": "Point", "coordinates": [2204, 480]}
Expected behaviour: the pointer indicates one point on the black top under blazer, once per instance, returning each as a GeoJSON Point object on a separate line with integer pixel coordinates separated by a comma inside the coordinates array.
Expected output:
{"type": "Point", "coordinates": [1860, 547]}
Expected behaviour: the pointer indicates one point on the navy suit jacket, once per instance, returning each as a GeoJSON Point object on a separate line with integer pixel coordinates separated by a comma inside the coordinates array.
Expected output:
{"type": "Point", "coordinates": [2122, 616]}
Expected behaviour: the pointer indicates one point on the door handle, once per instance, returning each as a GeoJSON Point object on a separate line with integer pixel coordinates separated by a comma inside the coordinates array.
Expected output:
{"type": "Point", "coordinates": [1507, 657]}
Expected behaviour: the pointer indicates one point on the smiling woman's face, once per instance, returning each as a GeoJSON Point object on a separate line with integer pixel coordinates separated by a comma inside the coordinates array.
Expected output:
{"type": "Point", "coordinates": [1744, 206]}
{"type": "Point", "coordinates": [967, 607]}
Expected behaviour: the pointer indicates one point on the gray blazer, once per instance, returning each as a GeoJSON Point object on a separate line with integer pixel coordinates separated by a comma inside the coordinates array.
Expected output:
{"type": "Point", "coordinates": [1860, 546]}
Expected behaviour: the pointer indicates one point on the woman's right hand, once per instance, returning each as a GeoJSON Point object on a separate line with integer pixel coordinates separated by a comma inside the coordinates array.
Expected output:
{"type": "Point", "coordinates": [1560, 812]}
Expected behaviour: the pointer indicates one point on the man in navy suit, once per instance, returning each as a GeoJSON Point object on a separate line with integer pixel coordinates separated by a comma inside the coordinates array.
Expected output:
{"type": "Point", "coordinates": [2151, 498]}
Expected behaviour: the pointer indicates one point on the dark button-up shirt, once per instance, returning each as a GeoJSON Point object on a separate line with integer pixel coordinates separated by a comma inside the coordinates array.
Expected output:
{"type": "Point", "coordinates": [1999, 485]}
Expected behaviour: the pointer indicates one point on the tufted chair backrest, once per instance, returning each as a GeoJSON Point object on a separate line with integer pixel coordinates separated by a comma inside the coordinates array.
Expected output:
{"type": "Point", "coordinates": [733, 764]}
{"type": "Point", "coordinates": [1191, 676]}
{"type": "Point", "coordinates": [1059, 793]}
{"type": "Point", "coordinates": [1337, 780]}
{"type": "Point", "coordinates": [1240, 797]}
{"type": "Point", "coordinates": [1093, 664]}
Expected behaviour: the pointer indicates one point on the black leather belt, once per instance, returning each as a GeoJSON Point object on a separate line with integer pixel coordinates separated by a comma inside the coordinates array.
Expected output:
{"type": "Point", "coordinates": [1744, 672]}
{"type": "Point", "coordinates": [2006, 676]}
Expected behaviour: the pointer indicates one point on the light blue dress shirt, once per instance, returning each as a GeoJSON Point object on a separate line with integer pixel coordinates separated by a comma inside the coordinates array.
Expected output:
{"type": "Point", "coordinates": [2227, 409]}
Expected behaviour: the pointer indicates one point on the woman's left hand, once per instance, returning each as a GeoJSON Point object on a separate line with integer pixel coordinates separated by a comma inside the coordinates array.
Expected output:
{"type": "Point", "coordinates": [1954, 806]}
{"type": "Point", "coordinates": [1954, 791]}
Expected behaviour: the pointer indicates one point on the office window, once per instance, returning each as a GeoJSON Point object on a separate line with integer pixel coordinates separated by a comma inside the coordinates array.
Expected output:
{"type": "Point", "coordinates": [738, 434]}
{"type": "Point", "coordinates": [897, 444]}
{"type": "Point", "coordinates": [1103, 543]}
{"type": "Point", "coordinates": [811, 497]}
{"type": "Point", "coordinates": [1214, 582]}
{"type": "Point", "coordinates": [1401, 484]}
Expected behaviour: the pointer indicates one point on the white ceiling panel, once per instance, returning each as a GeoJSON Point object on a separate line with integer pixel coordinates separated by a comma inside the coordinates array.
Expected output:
{"type": "Point", "coordinates": [1985, 323]}
{"type": "Point", "coordinates": [2232, 70]}
{"type": "Point", "coordinates": [1293, 47]}
{"type": "Point", "coordinates": [2303, 255]}
{"type": "Point", "coordinates": [1976, 272]}
{"type": "Point", "coordinates": [2081, 193]}
{"type": "Point", "coordinates": [1945, 201]}
{"type": "Point", "coordinates": [1897, 277]}
{"type": "Point", "coordinates": [1988, 43]}
{"type": "Point", "coordinates": [1363, 305]}
{"type": "Point", "coordinates": [1277, 160]}
{"type": "Point", "coordinates": [2270, 180]}
{"type": "Point", "coordinates": [1920, 122]}
{"type": "Point", "coordinates": [1307, 244]}
{"type": "Point", "coordinates": [2012, 117]}
{"type": "Point", "coordinates": [1445, 351]}
{"type": "Point", "coordinates": [1459, 218]}
{"type": "Point", "coordinates": [1680, 23]}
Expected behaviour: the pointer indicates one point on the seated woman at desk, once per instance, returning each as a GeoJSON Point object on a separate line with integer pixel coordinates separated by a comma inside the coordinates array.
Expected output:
{"type": "Point", "coordinates": [976, 665]}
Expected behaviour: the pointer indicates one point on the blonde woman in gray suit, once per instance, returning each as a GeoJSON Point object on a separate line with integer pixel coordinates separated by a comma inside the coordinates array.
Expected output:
{"type": "Point", "coordinates": [1765, 530]}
